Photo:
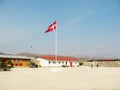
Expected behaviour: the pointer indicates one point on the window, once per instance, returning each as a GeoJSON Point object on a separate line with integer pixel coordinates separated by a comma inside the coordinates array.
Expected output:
{"type": "Point", "coordinates": [54, 62]}
{"type": "Point", "coordinates": [49, 62]}
{"type": "Point", "coordinates": [59, 62]}
{"type": "Point", "coordinates": [20, 62]}
{"type": "Point", "coordinates": [76, 62]}
{"type": "Point", "coordinates": [12, 61]}
{"type": "Point", "coordinates": [16, 62]}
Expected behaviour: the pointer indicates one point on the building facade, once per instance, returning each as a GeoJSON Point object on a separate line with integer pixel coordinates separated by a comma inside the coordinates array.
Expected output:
{"type": "Point", "coordinates": [103, 62]}
{"type": "Point", "coordinates": [17, 61]}
{"type": "Point", "coordinates": [64, 61]}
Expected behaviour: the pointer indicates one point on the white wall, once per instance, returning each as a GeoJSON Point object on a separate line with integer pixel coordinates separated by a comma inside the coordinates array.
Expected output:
{"type": "Point", "coordinates": [44, 62]}
{"type": "Point", "coordinates": [75, 63]}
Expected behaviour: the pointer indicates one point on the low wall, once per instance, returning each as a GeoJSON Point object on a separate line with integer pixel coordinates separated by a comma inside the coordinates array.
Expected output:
{"type": "Point", "coordinates": [103, 64]}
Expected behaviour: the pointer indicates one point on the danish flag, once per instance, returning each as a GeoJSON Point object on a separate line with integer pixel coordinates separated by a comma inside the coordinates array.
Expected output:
{"type": "Point", "coordinates": [51, 27]}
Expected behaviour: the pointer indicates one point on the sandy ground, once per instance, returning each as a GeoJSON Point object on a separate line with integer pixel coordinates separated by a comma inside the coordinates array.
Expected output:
{"type": "Point", "coordinates": [79, 78]}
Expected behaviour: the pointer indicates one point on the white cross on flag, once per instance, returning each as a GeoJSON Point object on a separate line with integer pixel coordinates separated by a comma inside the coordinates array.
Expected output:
{"type": "Point", "coordinates": [51, 27]}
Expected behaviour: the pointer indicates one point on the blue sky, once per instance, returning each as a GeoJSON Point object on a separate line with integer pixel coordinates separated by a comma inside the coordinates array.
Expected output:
{"type": "Point", "coordinates": [84, 27]}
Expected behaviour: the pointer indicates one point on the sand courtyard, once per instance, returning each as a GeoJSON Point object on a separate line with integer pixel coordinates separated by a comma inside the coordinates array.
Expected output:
{"type": "Point", "coordinates": [76, 78]}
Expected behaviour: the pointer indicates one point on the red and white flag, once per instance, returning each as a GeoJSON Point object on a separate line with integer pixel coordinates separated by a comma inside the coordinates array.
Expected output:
{"type": "Point", "coordinates": [52, 27]}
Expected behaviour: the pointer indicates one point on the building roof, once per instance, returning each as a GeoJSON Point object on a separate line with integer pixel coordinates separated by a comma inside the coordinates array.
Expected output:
{"type": "Point", "coordinates": [14, 56]}
{"type": "Point", "coordinates": [52, 57]}
{"type": "Point", "coordinates": [103, 59]}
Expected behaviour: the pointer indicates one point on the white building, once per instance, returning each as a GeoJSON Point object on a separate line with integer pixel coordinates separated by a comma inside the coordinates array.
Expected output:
{"type": "Point", "coordinates": [61, 61]}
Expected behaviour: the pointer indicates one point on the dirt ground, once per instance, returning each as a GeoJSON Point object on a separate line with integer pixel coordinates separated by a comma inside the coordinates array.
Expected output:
{"type": "Point", "coordinates": [77, 78]}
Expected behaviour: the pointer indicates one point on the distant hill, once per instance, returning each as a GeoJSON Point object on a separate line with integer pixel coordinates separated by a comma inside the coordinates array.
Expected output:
{"type": "Point", "coordinates": [28, 54]}
{"type": "Point", "coordinates": [1, 53]}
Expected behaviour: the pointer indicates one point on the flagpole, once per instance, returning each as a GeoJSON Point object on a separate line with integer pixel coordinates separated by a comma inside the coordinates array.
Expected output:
{"type": "Point", "coordinates": [51, 28]}
{"type": "Point", "coordinates": [56, 44]}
